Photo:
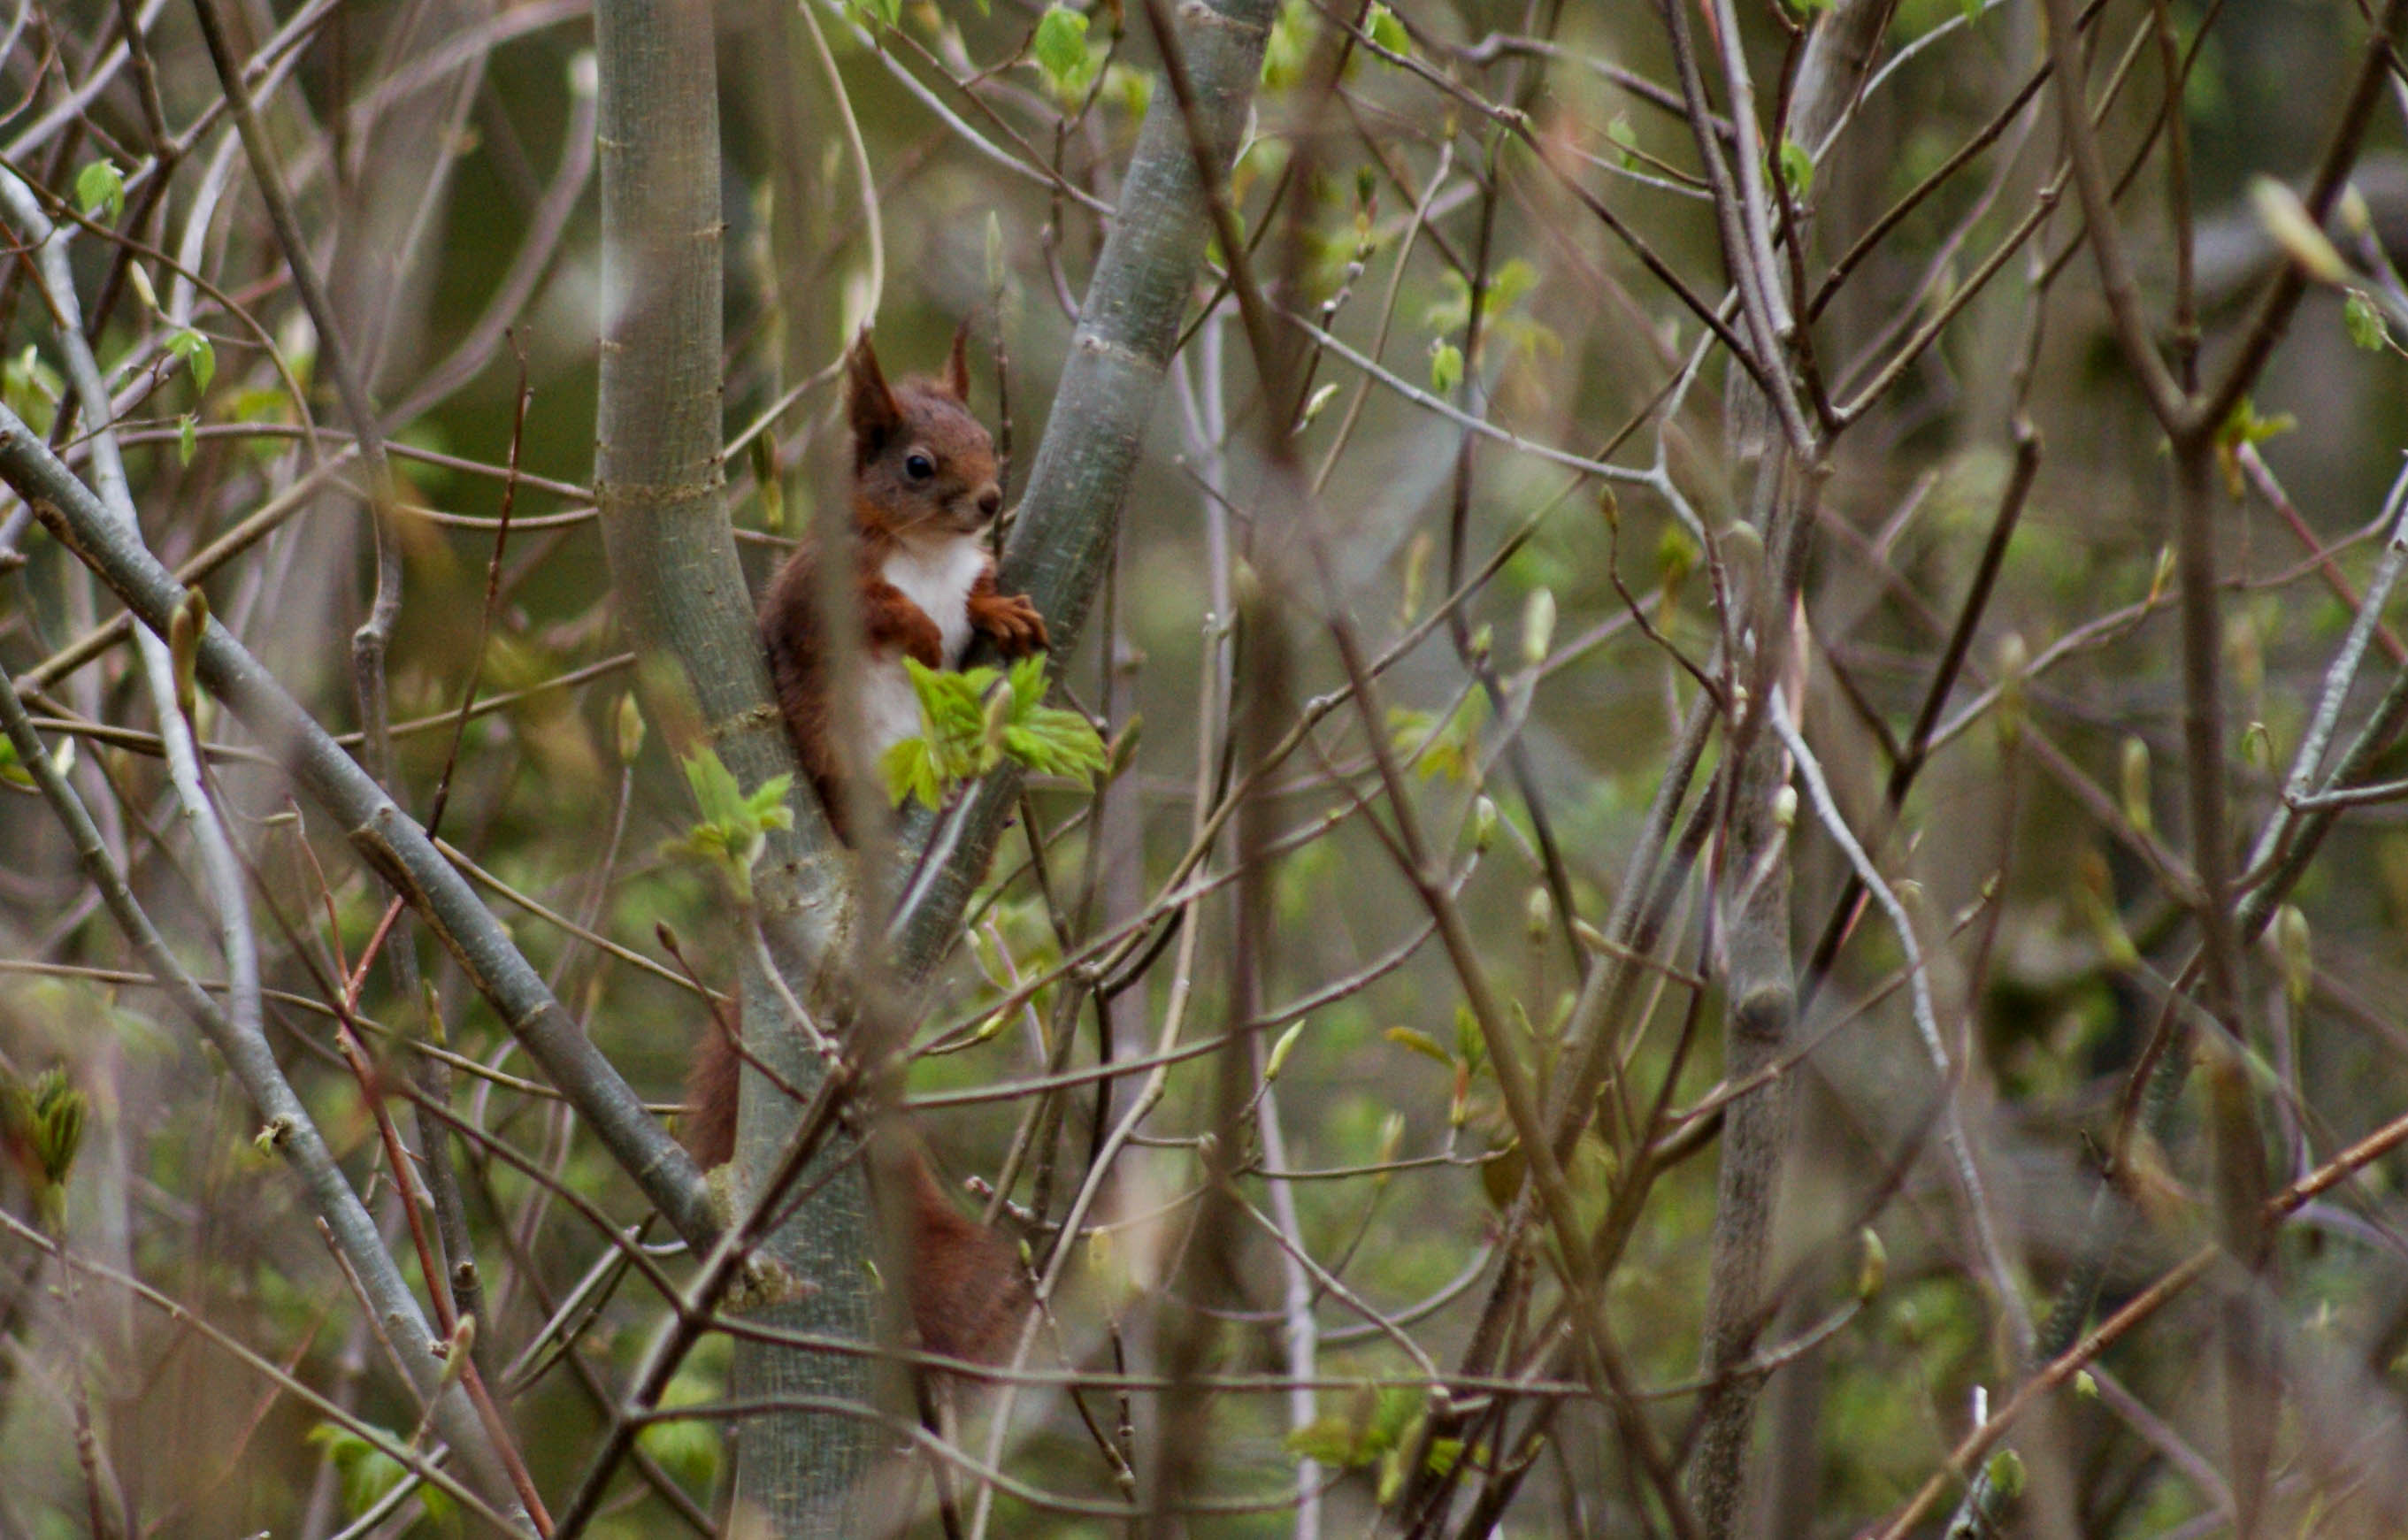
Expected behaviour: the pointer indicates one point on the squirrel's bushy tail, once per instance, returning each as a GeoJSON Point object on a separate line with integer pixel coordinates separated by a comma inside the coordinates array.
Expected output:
{"type": "Point", "coordinates": [969, 1294]}
{"type": "Point", "coordinates": [707, 1127]}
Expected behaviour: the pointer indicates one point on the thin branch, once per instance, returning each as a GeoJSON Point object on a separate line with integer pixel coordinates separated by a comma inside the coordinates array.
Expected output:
{"type": "Point", "coordinates": [386, 839]}
{"type": "Point", "coordinates": [289, 1129]}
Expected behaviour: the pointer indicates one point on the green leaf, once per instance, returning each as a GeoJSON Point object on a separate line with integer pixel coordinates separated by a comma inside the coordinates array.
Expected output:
{"type": "Point", "coordinates": [1433, 748]}
{"type": "Point", "coordinates": [1394, 1416]}
{"type": "Point", "coordinates": [716, 790]}
{"type": "Point", "coordinates": [910, 770]}
{"type": "Point", "coordinates": [32, 389]}
{"type": "Point", "coordinates": [689, 1447]}
{"type": "Point", "coordinates": [1047, 738]}
{"type": "Point", "coordinates": [188, 438]}
{"type": "Point", "coordinates": [1624, 136]}
{"type": "Point", "coordinates": [2245, 426]}
{"type": "Point", "coordinates": [1676, 556]}
{"type": "Point", "coordinates": [953, 718]}
{"type": "Point", "coordinates": [45, 1120]}
{"type": "Point", "coordinates": [1289, 46]}
{"type": "Point", "coordinates": [1453, 311]}
{"type": "Point", "coordinates": [735, 826]}
{"type": "Point", "coordinates": [1797, 168]}
{"type": "Point", "coordinates": [1469, 1043]}
{"type": "Point", "coordinates": [1062, 56]}
{"type": "Point", "coordinates": [1028, 682]}
{"type": "Point", "coordinates": [1132, 88]}
{"type": "Point", "coordinates": [1446, 367]}
{"type": "Point", "coordinates": [13, 771]}
{"type": "Point", "coordinates": [1329, 1440]}
{"type": "Point", "coordinates": [1376, 1425]}
{"type": "Point", "coordinates": [1512, 282]}
{"type": "Point", "coordinates": [2006, 1472]}
{"type": "Point", "coordinates": [100, 186]}
{"type": "Point", "coordinates": [1420, 1042]}
{"type": "Point", "coordinates": [199, 355]}
{"type": "Point", "coordinates": [1382, 28]}
{"type": "Point", "coordinates": [973, 719]}
{"type": "Point", "coordinates": [258, 404]}
{"type": "Point", "coordinates": [368, 1472]}
{"type": "Point", "coordinates": [2134, 779]}
{"type": "Point", "coordinates": [2364, 322]}
{"type": "Point", "coordinates": [1060, 44]}
{"type": "Point", "coordinates": [629, 728]}
{"type": "Point", "coordinates": [1483, 823]}
{"type": "Point", "coordinates": [1416, 582]}
{"type": "Point", "coordinates": [767, 806]}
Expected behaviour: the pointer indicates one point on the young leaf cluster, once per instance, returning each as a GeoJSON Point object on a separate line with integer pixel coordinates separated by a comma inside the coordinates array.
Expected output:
{"type": "Point", "coordinates": [973, 719]}
{"type": "Point", "coordinates": [368, 1473]}
{"type": "Point", "coordinates": [734, 824]}
{"type": "Point", "coordinates": [1502, 316]}
{"type": "Point", "coordinates": [1433, 746]}
{"type": "Point", "coordinates": [42, 1128]}
{"type": "Point", "coordinates": [1064, 55]}
{"type": "Point", "coordinates": [1380, 1428]}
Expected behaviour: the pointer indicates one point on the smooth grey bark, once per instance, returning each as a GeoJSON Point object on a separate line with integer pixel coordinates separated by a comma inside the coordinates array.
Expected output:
{"type": "Point", "coordinates": [1761, 985]}
{"type": "Point", "coordinates": [658, 476]}
{"type": "Point", "coordinates": [1760, 982]}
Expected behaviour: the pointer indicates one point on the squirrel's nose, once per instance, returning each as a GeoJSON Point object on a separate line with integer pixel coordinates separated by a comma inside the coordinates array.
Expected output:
{"type": "Point", "coordinates": [990, 500]}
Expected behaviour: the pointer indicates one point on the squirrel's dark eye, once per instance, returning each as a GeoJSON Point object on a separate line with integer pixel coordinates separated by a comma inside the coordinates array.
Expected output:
{"type": "Point", "coordinates": [918, 466]}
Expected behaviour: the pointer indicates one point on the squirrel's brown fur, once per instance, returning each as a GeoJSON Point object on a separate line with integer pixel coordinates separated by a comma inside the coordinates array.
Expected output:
{"type": "Point", "coordinates": [923, 494]}
{"type": "Point", "coordinates": [969, 1291]}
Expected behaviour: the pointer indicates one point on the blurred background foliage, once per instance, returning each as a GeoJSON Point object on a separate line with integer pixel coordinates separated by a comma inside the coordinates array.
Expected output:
{"type": "Point", "coordinates": [423, 139]}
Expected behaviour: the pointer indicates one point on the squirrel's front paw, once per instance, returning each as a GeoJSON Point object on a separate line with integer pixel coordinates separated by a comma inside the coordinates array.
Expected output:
{"type": "Point", "coordinates": [1015, 623]}
{"type": "Point", "coordinates": [923, 641]}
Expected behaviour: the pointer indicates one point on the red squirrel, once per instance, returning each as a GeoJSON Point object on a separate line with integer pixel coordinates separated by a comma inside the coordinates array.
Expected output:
{"type": "Point", "coordinates": [923, 495]}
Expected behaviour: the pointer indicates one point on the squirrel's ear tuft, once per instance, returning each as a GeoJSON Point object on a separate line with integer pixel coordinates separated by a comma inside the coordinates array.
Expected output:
{"type": "Point", "coordinates": [957, 365]}
{"type": "Point", "coordinates": [869, 403]}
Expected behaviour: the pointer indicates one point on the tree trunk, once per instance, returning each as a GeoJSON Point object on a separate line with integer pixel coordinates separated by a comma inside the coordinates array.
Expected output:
{"type": "Point", "coordinates": [673, 564]}
{"type": "Point", "coordinates": [659, 481]}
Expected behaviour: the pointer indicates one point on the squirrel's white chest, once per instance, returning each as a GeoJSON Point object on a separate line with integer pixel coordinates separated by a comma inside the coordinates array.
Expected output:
{"type": "Point", "coordinates": [938, 580]}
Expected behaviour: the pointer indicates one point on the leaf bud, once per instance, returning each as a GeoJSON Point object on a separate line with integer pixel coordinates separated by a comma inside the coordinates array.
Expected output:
{"type": "Point", "coordinates": [1483, 823]}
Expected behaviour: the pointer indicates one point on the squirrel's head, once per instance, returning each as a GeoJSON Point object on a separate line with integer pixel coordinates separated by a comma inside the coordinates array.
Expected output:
{"type": "Point", "coordinates": [922, 466]}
